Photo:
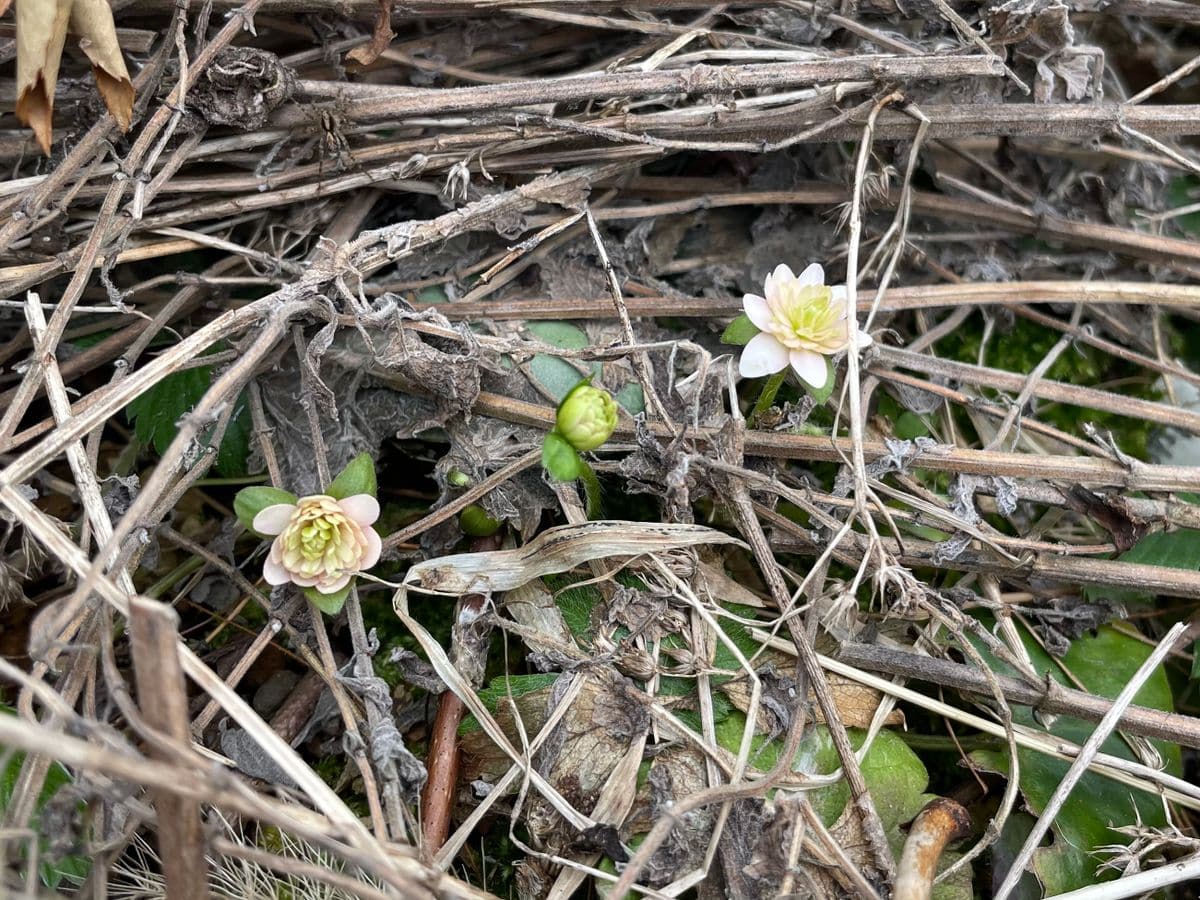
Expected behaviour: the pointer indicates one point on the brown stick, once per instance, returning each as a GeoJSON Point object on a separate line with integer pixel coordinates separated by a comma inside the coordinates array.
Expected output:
{"type": "Point", "coordinates": [941, 822]}
{"type": "Point", "coordinates": [699, 80]}
{"type": "Point", "coordinates": [1050, 697]}
{"type": "Point", "coordinates": [468, 651]}
{"type": "Point", "coordinates": [162, 697]}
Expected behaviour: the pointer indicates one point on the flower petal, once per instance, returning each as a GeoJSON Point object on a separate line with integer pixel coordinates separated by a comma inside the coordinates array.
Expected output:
{"type": "Point", "coordinates": [332, 587]}
{"type": "Point", "coordinates": [838, 293]}
{"type": "Point", "coordinates": [274, 572]}
{"type": "Point", "coordinates": [273, 519]}
{"type": "Point", "coordinates": [810, 366]}
{"type": "Point", "coordinates": [762, 356]}
{"type": "Point", "coordinates": [374, 548]}
{"type": "Point", "coordinates": [362, 508]}
{"type": "Point", "coordinates": [782, 273]}
{"type": "Point", "coordinates": [814, 275]}
{"type": "Point", "coordinates": [757, 311]}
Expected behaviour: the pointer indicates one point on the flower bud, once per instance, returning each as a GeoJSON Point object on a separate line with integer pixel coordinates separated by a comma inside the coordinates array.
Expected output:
{"type": "Point", "coordinates": [559, 458]}
{"type": "Point", "coordinates": [475, 521]}
{"type": "Point", "coordinates": [587, 416]}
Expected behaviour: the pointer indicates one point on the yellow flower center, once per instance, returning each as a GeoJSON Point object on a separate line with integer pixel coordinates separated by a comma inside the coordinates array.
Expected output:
{"type": "Point", "coordinates": [806, 318]}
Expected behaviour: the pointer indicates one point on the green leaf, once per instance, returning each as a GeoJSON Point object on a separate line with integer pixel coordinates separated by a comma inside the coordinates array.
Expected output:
{"type": "Point", "coordinates": [556, 376]}
{"type": "Point", "coordinates": [1103, 664]}
{"type": "Point", "coordinates": [909, 427]}
{"type": "Point", "coordinates": [896, 780]}
{"type": "Point", "coordinates": [739, 332]}
{"type": "Point", "coordinates": [235, 444]}
{"type": "Point", "coordinates": [357, 478]}
{"type": "Point", "coordinates": [156, 412]}
{"type": "Point", "coordinates": [249, 502]}
{"type": "Point", "coordinates": [560, 334]}
{"type": "Point", "coordinates": [559, 458]}
{"type": "Point", "coordinates": [505, 686]}
{"type": "Point", "coordinates": [631, 398]}
{"type": "Point", "coordinates": [1173, 550]}
{"type": "Point", "coordinates": [1181, 192]}
{"type": "Point", "coordinates": [575, 604]}
{"type": "Point", "coordinates": [434, 293]}
{"type": "Point", "coordinates": [330, 604]}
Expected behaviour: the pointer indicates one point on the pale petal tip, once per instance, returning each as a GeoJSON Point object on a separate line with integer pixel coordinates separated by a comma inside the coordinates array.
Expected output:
{"type": "Point", "coordinates": [273, 519]}
{"type": "Point", "coordinates": [362, 508]}
{"type": "Point", "coordinates": [812, 275]}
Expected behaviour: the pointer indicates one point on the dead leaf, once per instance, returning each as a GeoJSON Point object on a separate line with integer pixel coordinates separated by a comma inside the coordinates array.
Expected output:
{"type": "Point", "coordinates": [41, 32]}
{"type": "Point", "coordinates": [555, 550]}
{"type": "Point", "coordinates": [92, 20]}
{"type": "Point", "coordinates": [856, 703]}
{"type": "Point", "coordinates": [380, 39]}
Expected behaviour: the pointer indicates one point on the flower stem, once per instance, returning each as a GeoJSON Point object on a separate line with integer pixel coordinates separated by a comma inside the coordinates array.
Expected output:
{"type": "Point", "coordinates": [767, 397]}
{"type": "Point", "coordinates": [591, 489]}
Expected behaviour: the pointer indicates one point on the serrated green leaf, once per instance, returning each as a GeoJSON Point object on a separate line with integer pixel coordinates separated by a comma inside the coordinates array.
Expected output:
{"type": "Point", "coordinates": [156, 413]}
{"type": "Point", "coordinates": [1103, 664]}
{"type": "Point", "coordinates": [330, 604]}
{"type": "Point", "coordinates": [250, 501]}
{"type": "Point", "coordinates": [560, 334]}
{"type": "Point", "coordinates": [357, 478]}
{"type": "Point", "coordinates": [739, 332]}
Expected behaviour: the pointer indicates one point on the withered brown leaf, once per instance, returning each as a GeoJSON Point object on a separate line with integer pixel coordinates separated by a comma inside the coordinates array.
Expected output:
{"type": "Point", "coordinates": [42, 27]}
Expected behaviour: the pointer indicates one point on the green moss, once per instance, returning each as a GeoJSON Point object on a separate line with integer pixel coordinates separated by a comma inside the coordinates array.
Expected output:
{"type": "Point", "coordinates": [1026, 344]}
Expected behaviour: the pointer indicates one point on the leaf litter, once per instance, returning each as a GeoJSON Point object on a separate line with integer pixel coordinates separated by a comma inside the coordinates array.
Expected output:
{"type": "Point", "coordinates": [335, 232]}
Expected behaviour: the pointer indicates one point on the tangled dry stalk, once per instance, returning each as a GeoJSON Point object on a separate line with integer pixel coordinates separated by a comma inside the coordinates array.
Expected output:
{"type": "Point", "coordinates": [367, 247]}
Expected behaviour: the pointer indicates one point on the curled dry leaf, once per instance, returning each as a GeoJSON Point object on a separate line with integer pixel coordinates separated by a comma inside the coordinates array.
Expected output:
{"type": "Point", "coordinates": [380, 38]}
{"type": "Point", "coordinates": [92, 20]}
{"type": "Point", "coordinates": [41, 32]}
{"type": "Point", "coordinates": [555, 550]}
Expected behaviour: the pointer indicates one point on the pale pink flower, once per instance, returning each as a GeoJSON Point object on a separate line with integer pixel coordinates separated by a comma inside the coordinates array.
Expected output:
{"type": "Point", "coordinates": [321, 542]}
{"type": "Point", "coordinates": [801, 321]}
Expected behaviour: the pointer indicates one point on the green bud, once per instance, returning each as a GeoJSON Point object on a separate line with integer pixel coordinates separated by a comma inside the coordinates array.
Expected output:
{"type": "Point", "coordinates": [458, 478]}
{"type": "Point", "coordinates": [559, 458]}
{"type": "Point", "coordinates": [587, 416]}
{"type": "Point", "coordinates": [475, 521]}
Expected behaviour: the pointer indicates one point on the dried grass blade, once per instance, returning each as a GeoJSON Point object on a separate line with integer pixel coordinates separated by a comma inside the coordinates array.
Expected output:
{"type": "Point", "coordinates": [553, 551]}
